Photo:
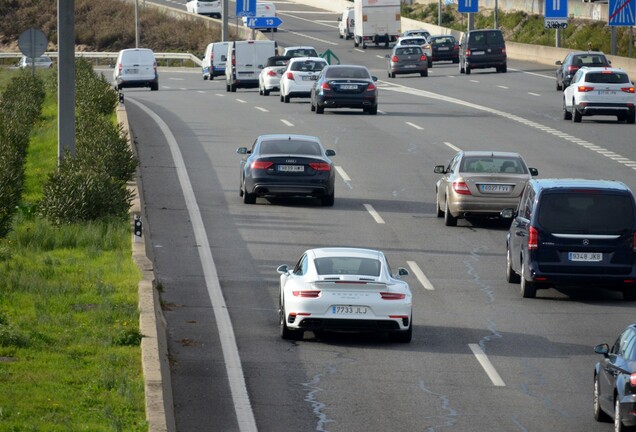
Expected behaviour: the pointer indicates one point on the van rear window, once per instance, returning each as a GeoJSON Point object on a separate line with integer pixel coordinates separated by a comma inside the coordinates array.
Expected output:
{"type": "Point", "coordinates": [586, 213]}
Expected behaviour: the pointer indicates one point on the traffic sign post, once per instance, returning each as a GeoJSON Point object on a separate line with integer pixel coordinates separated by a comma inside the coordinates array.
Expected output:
{"type": "Point", "coordinates": [467, 6]}
{"type": "Point", "coordinates": [621, 13]}
{"type": "Point", "coordinates": [245, 8]}
{"type": "Point", "coordinates": [263, 22]}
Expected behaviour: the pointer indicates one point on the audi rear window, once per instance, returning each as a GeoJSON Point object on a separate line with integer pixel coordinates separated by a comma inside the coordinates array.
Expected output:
{"type": "Point", "coordinates": [308, 148]}
{"type": "Point", "coordinates": [581, 212]}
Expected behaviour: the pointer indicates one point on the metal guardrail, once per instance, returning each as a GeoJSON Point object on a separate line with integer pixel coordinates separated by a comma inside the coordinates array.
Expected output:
{"type": "Point", "coordinates": [181, 57]}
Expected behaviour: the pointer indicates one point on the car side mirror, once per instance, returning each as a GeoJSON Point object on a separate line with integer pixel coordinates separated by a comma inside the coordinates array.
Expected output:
{"type": "Point", "coordinates": [402, 272]}
{"type": "Point", "coordinates": [440, 169]}
{"type": "Point", "coordinates": [374, 78]}
{"type": "Point", "coordinates": [558, 63]}
{"type": "Point", "coordinates": [283, 269]}
{"type": "Point", "coordinates": [330, 152]}
{"type": "Point", "coordinates": [602, 349]}
{"type": "Point", "coordinates": [387, 56]}
{"type": "Point", "coordinates": [339, 19]}
{"type": "Point", "coordinates": [508, 213]}
{"type": "Point", "coordinates": [241, 150]}
{"type": "Point", "coordinates": [533, 172]}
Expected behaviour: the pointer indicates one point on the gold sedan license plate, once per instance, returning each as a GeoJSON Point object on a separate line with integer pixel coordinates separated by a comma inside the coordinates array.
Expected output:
{"type": "Point", "coordinates": [349, 310]}
{"type": "Point", "coordinates": [494, 188]}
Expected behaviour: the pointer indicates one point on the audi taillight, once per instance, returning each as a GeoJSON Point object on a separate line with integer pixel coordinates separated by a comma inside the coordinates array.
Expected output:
{"type": "Point", "coordinates": [306, 293]}
{"type": "Point", "coordinates": [289, 75]}
{"type": "Point", "coordinates": [392, 296]}
{"type": "Point", "coordinates": [461, 188]}
{"type": "Point", "coordinates": [320, 166]}
{"type": "Point", "coordinates": [395, 59]}
{"type": "Point", "coordinates": [627, 89]}
{"type": "Point", "coordinates": [584, 89]}
{"type": "Point", "coordinates": [533, 238]}
{"type": "Point", "coordinates": [261, 164]}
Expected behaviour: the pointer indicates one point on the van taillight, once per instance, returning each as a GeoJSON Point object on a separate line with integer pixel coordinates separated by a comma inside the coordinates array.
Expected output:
{"type": "Point", "coordinates": [632, 379]}
{"type": "Point", "coordinates": [212, 56]}
{"type": "Point", "coordinates": [233, 59]}
{"type": "Point", "coordinates": [467, 53]}
{"type": "Point", "coordinates": [533, 238]}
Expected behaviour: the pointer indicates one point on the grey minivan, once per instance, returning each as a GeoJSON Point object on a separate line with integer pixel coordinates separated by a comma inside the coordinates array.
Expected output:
{"type": "Point", "coordinates": [573, 232]}
{"type": "Point", "coordinates": [480, 49]}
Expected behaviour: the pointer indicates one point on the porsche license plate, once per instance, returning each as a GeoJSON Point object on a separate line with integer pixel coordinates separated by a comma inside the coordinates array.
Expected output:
{"type": "Point", "coordinates": [348, 310]}
{"type": "Point", "coordinates": [585, 256]}
{"type": "Point", "coordinates": [291, 168]}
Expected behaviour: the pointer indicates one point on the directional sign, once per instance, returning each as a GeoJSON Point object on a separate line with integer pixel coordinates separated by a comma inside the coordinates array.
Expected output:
{"type": "Point", "coordinates": [621, 12]}
{"type": "Point", "coordinates": [264, 22]}
{"type": "Point", "coordinates": [330, 57]}
{"type": "Point", "coordinates": [245, 8]}
{"type": "Point", "coordinates": [467, 6]}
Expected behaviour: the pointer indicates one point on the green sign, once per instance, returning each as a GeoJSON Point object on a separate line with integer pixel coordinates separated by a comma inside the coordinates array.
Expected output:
{"type": "Point", "coordinates": [330, 57]}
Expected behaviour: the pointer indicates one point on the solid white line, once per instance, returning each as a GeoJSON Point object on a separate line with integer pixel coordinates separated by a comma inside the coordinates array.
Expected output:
{"type": "Point", "coordinates": [534, 94]}
{"type": "Point", "coordinates": [343, 174]}
{"type": "Point", "coordinates": [488, 367]}
{"type": "Point", "coordinates": [262, 109]}
{"type": "Point", "coordinates": [452, 146]}
{"type": "Point", "coordinates": [374, 213]}
{"type": "Point", "coordinates": [236, 378]}
{"type": "Point", "coordinates": [241, 101]}
{"type": "Point", "coordinates": [414, 125]}
{"type": "Point", "coordinates": [311, 37]}
{"type": "Point", "coordinates": [419, 274]}
{"type": "Point", "coordinates": [308, 20]}
{"type": "Point", "coordinates": [381, 112]}
{"type": "Point", "coordinates": [176, 79]}
{"type": "Point", "coordinates": [290, 124]}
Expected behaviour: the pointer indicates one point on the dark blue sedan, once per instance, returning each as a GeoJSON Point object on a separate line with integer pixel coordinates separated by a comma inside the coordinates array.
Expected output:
{"type": "Point", "coordinates": [345, 86]}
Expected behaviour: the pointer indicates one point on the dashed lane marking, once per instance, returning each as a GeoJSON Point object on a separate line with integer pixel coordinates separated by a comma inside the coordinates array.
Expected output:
{"type": "Point", "coordinates": [376, 216]}
{"type": "Point", "coordinates": [419, 274]}
{"type": "Point", "coordinates": [487, 365]}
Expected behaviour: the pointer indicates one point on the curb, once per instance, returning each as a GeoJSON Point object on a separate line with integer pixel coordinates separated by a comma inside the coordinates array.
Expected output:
{"type": "Point", "coordinates": [152, 324]}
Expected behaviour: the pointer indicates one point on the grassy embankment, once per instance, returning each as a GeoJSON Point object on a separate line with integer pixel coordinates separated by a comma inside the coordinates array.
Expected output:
{"type": "Point", "coordinates": [69, 338]}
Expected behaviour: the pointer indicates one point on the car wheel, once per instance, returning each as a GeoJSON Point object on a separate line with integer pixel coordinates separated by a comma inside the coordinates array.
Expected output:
{"type": "Point", "coordinates": [319, 109]}
{"type": "Point", "coordinates": [528, 289]}
{"type": "Point", "coordinates": [373, 110]}
{"type": "Point", "coordinates": [576, 115]}
{"type": "Point", "coordinates": [511, 275]}
{"type": "Point", "coordinates": [154, 86]}
{"type": "Point", "coordinates": [424, 74]}
{"type": "Point", "coordinates": [364, 45]}
{"type": "Point", "coordinates": [211, 76]}
{"type": "Point", "coordinates": [227, 87]}
{"type": "Point", "coordinates": [266, 92]}
{"type": "Point", "coordinates": [449, 219]}
{"type": "Point", "coordinates": [355, 42]}
{"type": "Point", "coordinates": [618, 418]}
{"type": "Point", "coordinates": [205, 77]}
{"type": "Point", "coordinates": [430, 64]}
{"type": "Point", "coordinates": [504, 68]}
{"type": "Point", "coordinates": [467, 69]}
{"type": "Point", "coordinates": [260, 90]}
{"type": "Point", "coordinates": [286, 99]}
{"type": "Point", "coordinates": [248, 198]}
{"type": "Point", "coordinates": [233, 88]}
{"type": "Point", "coordinates": [327, 200]}
{"type": "Point", "coordinates": [404, 336]}
{"type": "Point", "coordinates": [567, 115]}
{"type": "Point", "coordinates": [631, 117]}
{"type": "Point", "coordinates": [285, 332]}
{"type": "Point", "coordinates": [599, 414]}
{"type": "Point", "coordinates": [629, 294]}
{"type": "Point", "coordinates": [440, 212]}
{"type": "Point", "coordinates": [559, 87]}
{"type": "Point", "coordinates": [281, 96]}
{"type": "Point", "coordinates": [340, 36]}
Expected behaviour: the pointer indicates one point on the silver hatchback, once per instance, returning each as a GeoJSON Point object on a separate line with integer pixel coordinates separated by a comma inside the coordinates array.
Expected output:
{"type": "Point", "coordinates": [407, 59]}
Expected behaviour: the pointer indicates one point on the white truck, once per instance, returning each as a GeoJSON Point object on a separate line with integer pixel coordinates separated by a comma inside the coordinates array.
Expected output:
{"type": "Point", "coordinates": [376, 21]}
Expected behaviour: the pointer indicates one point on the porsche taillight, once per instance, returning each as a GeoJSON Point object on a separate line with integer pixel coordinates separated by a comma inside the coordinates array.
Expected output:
{"type": "Point", "coordinates": [392, 296]}
{"type": "Point", "coordinates": [306, 293]}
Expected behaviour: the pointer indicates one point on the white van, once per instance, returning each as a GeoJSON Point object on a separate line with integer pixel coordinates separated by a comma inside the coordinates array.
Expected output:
{"type": "Point", "coordinates": [346, 24]}
{"type": "Point", "coordinates": [136, 67]}
{"type": "Point", "coordinates": [213, 61]}
{"type": "Point", "coordinates": [263, 9]}
{"type": "Point", "coordinates": [245, 61]}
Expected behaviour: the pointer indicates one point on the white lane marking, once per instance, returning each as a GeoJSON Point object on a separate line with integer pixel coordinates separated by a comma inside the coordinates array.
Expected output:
{"type": "Point", "coordinates": [414, 125]}
{"type": "Point", "coordinates": [219, 94]}
{"type": "Point", "coordinates": [232, 360]}
{"type": "Point", "coordinates": [308, 20]}
{"type": "Point", "coordinates": [345, 177]}
{"type": "Point", "coordinates": [311, 37]}
{"type": "Point", "coordinates": [381, 112]}
{"type": "Point", "coordinates": [533, 73]}
{"type": "Point", "coordinates": [474, 81]}
{"type": "Point", "coordinates": [200, 91]}
{"type": "Point", "coordinates": [380, 57]}
{"type": "Point", "coordinates": [359, 50]}
{"type": "Point", "coordinates": [288, 123]}
{"type": "Point", "coordinates": [534, 94]}
{"type": "Point", "coordinates": [261, 109]}
{"type": "Point", "coordinates": [488, 367]}
{"type": "Point", "coordinates": [241, 101]}
{"type": "Point", "coordinates": [176, 79]}
{"type": "Point", "coordinates": [374, 213]}
{"type": "Point", "coordinates": [302, 11]}
{"type": "Point", "coordinates": [563, 135]}
{"type": "Point", "coordinates": [503, 87]}
{"type": "Point", "coordinates": [452, 146]}
{"type": "Point", "coordinates": [166, 87]}
{"type": "Point", "coordinates": [419, 274]}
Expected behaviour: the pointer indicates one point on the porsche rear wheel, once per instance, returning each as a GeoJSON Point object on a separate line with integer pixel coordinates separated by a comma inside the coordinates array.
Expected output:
{"type": "Point", "coordinates": [285, 332]}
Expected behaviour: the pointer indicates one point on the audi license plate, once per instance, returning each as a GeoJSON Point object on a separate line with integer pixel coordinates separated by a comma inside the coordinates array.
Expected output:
{"type": "Point", "coordinates": [585, 256]}
{"type": "Point", "coordinates": [349, 87]}
{"type": "Point", "coordinates": [291, 168]}
{"type": "Point", "coordinates": [348, 310]}
{"type": "Point", "coordinates": [495, 188]}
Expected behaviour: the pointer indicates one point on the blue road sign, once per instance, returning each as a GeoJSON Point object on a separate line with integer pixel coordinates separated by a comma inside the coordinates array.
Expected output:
{"type": "Point", "coordinates": [621, 12]}
{"type": "Point", "coordinates": [264, 22]}
{"type": "Point", "coordinates": [245, 8]}
{"type": "Point", "coordinates": [556, 8]}
{"type": "Point", "coordinates": [467, 6]}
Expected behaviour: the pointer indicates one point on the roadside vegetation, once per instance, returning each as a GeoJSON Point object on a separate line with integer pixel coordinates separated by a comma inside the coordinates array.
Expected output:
{"type": "Point", "coordinates": [527, 28]}
{"type": "Point", "coordinates": [70, 355]}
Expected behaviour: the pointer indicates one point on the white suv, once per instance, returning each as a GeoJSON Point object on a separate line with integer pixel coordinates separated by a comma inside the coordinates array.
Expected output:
{"type": "Point", "coordinates": [300, 76]}
{"type": "Point", "coordinates": [600, 91]}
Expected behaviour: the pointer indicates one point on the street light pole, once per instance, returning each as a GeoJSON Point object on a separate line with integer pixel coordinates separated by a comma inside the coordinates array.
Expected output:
{"type": "Point", "coordinates": [136, 23]}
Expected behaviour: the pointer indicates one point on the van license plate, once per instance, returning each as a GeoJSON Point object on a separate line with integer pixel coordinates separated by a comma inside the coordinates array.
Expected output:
{"type": "Point", "coordinates": [477, 52]}
{"type": "Point", "coordinates": [585, 256]}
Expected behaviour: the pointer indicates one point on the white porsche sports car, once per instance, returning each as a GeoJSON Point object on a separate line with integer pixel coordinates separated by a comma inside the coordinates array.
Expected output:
{"type": "Point", "coordinates": [346, 289]}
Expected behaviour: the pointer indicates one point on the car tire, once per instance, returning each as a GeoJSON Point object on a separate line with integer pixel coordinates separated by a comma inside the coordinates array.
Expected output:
{"type": "Point", "coordinates": [576, 115]}
{"type": "Point", "coordinates": [248, 198]}
{"type": "Point", "coordinates": [205, 77]}
{"type": "Point", "coordinates": [424, 74]}
{"type": "Point", "coordinates": [567, 115]}
{"type": "Point", "coordinates": [599, 414]}
{"type": "Point", "coordinates": [558, 87]}
{"type": "Point", "coordinates": [467, 70]}
{"type": "Point", "coordinates": [211, 76]}
{"type": "Point", "coordinates": [511, 275]}
{"type": "Point", "coordinates": [528, 288]}
{"type": "Point", "coordinates": [631, 117]}
{"type": "Point", "coordinates": [319, 109]}
{"type": "Point", "coordinates": [233, 88]}
{"type": "Point", "coordinates": [504, 68]}
{"type": "Point", "coordinates": [281, 97]}
{"type": "Point", "coordinates": [154, 86]}
{"type": "Point", "coordinates": [266, 92]}
{"type": "Point", "coordinates": [286, 99]}
{"type": "Point", "coordinates": [618, 418]}
{"type": "Point", "coordinates": [260, 90]}
{"type": "Point", "coordinates": [356, 43]}
{"type": "Point", "coordinates": [430, 64]}
{"type": "Point", "coordinates": [373, 110]}
{"type": "Point", "coordinates": [449, 219]}
{"type": "Point", "coordinates": [340, 36]}
{"type": "Point", "coordinates": [440, 212]}
{"type": "Point", "coordinates": [312, 107]}
{"type": "Point", "coordinates": [629, 294]}
{"type": "Point", "coordinates": [404, 336]}
{"type": "Point", "coordinates": [227, 87]}
{"type": "Point", "coordinates": [327, 200]}
{"type": "Point", "coordinates": [285, 332]}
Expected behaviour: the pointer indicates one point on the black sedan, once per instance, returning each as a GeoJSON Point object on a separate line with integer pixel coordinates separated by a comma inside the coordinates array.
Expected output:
{"type": "Point", "coordinates": [345, 86]}
{"type": "Point", "coordinates": [444, 48]}
{"type": "Point", "coordinates": [615, 382]}
{"type": "Point", "coordinates": [287, 165]}
{"type": "Point", "coordinates": [575, 60]}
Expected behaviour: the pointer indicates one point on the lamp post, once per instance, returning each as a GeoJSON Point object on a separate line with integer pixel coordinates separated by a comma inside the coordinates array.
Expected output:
{"type": "Point", "coordinates": [136, 23]}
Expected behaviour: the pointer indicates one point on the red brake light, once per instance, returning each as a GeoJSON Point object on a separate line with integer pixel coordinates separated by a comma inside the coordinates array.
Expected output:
{"type": "Point", "coordinates": [423, 57]}
{"type": "Point", "coordinates": [289, 75]}
{"type": "Point", "coordinates": [395, 59]}
{"type": "Point", "coordinates": [233, 59]}
{"type": "Point", "coordinates": [503, 50]}
{"type": "Point", "coordinates": [533, 238]}
{"type": "Point", "coordinates": [271, 73]}
{"type": "Point", "coordinates": [627, 89]}
{"type": "Point", "coordinates": [392, 296]}
{"type": "Point", "coordinates": [261, 164]}
{"type": "Point", "coordinates": [583, 89]}
{"type": "Point", "coordinates": [632, 379]}
{"type": "Point", "coordinates": [320, 166]}
{"type": "Point", "coordinates": [461, 188]}
{"type": "Point", "coordinates": [572, 68]}
{"type": "Point", "coordinates": [306, 293]}
{"type": "Point", "coordinates": [371, 87]}
{"type": "Point", "coordinates": [467, 53]}
{"type": "Point", "coordinates": [211, 55]}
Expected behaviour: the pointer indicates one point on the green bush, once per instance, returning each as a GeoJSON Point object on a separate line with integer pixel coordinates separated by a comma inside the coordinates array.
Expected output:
{"type": "Point", "coordinates": [94, 94]}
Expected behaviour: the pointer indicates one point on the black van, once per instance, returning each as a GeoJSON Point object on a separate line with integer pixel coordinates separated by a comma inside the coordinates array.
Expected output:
{"type": "Point", "coordinates": [480, 49]}
{"type": "Point", "coordinates": [573, 232]}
